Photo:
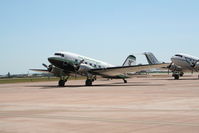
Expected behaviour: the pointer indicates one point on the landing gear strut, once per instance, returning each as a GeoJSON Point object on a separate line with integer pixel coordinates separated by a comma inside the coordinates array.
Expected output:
{"type": "Point", "coordinates": [125, 81]}
{"type": "Point", "coordinates": [90, 79]}
{"type": "Point", "coordinates": [89, 82]}
{"type": "Point", "coordinates": [62, 81]}
{"type": "Point", "coordinates": [176, 76]}
{"type": "Point", "coordinates": [181, 74]}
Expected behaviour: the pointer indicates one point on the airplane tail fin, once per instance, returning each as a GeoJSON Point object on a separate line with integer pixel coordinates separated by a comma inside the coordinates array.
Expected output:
{"type": "Point", "coordinates": [151, 58]}
{"type": "Point", "coordinates": [130, 61]}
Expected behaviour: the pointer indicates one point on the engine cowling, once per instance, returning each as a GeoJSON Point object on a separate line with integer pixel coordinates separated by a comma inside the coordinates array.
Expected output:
{"type": "Point", "coordinates": [84, 68]}
{"type": "Point", "coordinates": [196, 66]}
{"type": "Point", "coordinates": [175, 68]}
{"type": "Point", "coordinates": [57, 71]}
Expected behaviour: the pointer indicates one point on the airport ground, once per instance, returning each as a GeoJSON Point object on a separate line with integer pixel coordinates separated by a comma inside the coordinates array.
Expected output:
{"type": "Point", "coordinates": [143, 105]}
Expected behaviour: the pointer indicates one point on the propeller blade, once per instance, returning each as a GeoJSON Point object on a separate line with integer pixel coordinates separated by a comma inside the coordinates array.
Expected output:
{"type": "Point", "coordinates": [78, 65]}
{"type": "Point", "coordinates": [169, 66]}
{"type": "Point", "coordinates": [81, 62]}
{"type": "Point", "coordinates": [45, 65]}
{"type": "Point", "coordinates": [50, 67]}
{"type": "Point", "coordinates": [194, 64]}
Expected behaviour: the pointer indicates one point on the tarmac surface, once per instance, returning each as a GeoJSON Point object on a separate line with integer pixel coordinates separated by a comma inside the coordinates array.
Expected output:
{"type": "Point", "coordinates": [143, 105]}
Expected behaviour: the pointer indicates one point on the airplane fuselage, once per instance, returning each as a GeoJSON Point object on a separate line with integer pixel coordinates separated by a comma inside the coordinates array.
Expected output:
{"type": "Point", "coordinates": [185, 62]}
{"type": "Point", "coordinates": [66, 64]}
{"type": "Point", "coordinates": [180, 63]}
{"type": "Point", "coordinates": [67, 60]}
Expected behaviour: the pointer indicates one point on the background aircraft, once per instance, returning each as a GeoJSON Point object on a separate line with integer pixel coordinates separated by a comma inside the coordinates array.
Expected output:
{"type": "Point", "coordinates": [180, 63]}
{"type": "Point", "coordinates": [65, 64]}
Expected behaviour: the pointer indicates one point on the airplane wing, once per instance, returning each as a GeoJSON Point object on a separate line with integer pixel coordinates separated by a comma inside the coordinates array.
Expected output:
{"type": "Point", "coordinates": [115, 71]}
{"type": "Point", "coordinates": [40, 70]}
{"type": "Point", "coordinates": [56, 71]}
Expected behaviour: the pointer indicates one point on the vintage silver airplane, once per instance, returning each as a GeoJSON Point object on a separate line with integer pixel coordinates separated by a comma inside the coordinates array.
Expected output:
{"type": "Point", "coordinates": [66, 64]}
{"type": "Point", "coordinates": [180, 63]}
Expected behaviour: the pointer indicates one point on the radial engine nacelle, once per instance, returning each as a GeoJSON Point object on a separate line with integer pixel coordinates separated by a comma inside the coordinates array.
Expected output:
{"type": "Point", "coordinates": [84, 68]}
{"type": "Point", "coordinates": [175, 68]}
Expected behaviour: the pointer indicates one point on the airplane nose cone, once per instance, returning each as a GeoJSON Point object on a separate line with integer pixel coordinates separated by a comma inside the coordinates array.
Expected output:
{"type": "Point", "coordinates": [51, 60]}
{"type": "Point", "coordinates": [56, 61]}
{"type": "Point", "coordinates": [173, 58]}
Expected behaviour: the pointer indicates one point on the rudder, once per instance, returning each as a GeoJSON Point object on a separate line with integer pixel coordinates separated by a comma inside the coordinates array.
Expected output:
{"type": "Point", "coordinates": [151, 58]}
{"type": "Point", "coordinates": [130, 61]}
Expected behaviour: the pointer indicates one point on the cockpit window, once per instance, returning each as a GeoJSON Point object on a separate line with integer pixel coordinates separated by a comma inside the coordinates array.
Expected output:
{"type": "Point", "coordinates": [59, 54]}
{"type": "Point", "coordinates": [178, 55]}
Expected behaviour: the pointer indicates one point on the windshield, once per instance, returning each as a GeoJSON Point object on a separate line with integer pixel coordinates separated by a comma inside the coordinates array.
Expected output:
{"type": "Point", "coordinates": [59, 54]}
{"type": "Point", "coordinates": [178, 55]}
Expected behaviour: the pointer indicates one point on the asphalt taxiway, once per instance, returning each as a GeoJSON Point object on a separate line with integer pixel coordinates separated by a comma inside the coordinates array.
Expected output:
{"type": "Point", "coordinates": [143, 105]}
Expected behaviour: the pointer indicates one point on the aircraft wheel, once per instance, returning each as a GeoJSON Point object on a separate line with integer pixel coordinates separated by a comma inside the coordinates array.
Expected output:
{"type": "Point", "coordinates": [62, 83]}
{"type": "Point", "coordinates": [125, 81]}
{"type": "Point", "coordinates": [181, 74]}
{"type": "Point", "coordinates": [176, 77]}
{"type": "Point", "coordinates": [88, 82]}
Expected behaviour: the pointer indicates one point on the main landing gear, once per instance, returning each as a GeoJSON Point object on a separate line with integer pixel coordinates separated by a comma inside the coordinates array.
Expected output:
{"type": "Point", "coordinates": [177, 75]}
{"type": "Point", "coordinates": [62, 81]}
{"type": "Point", "coordinates": [125, 81]}
{"type": "Point", "coordinates": [90, 80]}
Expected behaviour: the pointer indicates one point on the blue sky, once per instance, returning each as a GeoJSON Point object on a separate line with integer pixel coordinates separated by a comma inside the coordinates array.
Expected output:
{"type": "Point", "coordinates": [107, 30]}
